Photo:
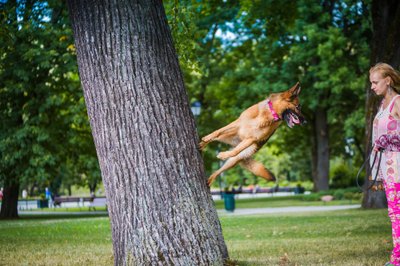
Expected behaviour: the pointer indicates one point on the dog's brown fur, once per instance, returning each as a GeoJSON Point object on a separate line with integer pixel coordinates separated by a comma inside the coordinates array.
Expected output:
{"type": "Point", "coordinates": [251, 131]}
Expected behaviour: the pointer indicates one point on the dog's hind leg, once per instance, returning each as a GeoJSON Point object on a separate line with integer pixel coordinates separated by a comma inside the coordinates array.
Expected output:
{"type": "Point", "coordinates": [231, 162]}
{"type": "Point", "coordinates": [258, 169]}
{"type": "Point", "coordinates": [227, 130]}
{"type": "Point", "coordinates": [238, 149]}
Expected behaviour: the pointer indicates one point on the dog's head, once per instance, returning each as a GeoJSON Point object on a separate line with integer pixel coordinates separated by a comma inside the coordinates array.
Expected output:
{"type": "Point", "coordinates": [289, 106]}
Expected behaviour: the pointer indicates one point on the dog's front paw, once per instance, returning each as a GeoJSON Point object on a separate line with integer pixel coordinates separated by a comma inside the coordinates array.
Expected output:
{"type": "Point", "coordinates": [210, 180]}
{"type": "Point", "coordinates": [201, 145]}
{"type": "Point", "coordinates": [223, 155]}
{"type": "Point", "coordinates": [209, 183]}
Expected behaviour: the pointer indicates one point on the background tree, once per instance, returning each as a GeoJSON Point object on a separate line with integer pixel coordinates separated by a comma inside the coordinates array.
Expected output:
{"type": "Point", "coordinates": [160, 209]}
{"type": "Point", "coordinates": [385, 47]}
{"type": "Point", "coordinates": [232, 53]}
{"type": "Point", "coordinates": [225, 68]}
{"type": "Point", "coordinates": [266, 46]}
{"type": "Point", "coordinates": [44, 132]}
{"type": "Point", "coordinates": [321, 50]}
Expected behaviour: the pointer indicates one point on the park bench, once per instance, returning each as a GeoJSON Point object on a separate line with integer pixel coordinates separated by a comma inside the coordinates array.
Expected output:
{"type": "Point", "coordinates": [79, 200]}
{"type": "Point", "coordinates": [260, 190]}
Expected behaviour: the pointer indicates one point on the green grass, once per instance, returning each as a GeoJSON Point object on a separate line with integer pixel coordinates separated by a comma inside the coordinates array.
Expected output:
{"type": "Point", "coordinates": [350, 237]}
{"type": "Point", "coordinates": [296, 200]}
{"type": "Point", "coordinates": [56, 241]}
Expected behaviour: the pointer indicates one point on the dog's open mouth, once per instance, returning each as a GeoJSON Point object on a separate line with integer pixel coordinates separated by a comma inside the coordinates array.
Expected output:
{"type": "Point", "coordinates": [292, 118]}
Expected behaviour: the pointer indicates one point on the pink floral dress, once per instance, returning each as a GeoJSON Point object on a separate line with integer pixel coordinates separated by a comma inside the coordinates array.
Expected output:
{"type": "Point", "coordinates": [385, 123]}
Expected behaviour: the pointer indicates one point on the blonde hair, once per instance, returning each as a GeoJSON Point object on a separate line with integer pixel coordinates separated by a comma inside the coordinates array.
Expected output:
{"type": "Point", "coordinates": [387, 70]}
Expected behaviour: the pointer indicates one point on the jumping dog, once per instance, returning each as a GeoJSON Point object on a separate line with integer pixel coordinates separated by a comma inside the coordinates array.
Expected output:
{"type": "Point", "coordinates": [253, 128]}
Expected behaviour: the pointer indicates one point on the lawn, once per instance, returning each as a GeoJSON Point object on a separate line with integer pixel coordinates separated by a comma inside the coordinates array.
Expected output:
{"type": "Point", "coordinates": [350, 237]}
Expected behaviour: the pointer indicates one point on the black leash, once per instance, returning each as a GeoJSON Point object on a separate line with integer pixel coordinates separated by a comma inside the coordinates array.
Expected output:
{"type": "Point", "coordinates": [373, 164]}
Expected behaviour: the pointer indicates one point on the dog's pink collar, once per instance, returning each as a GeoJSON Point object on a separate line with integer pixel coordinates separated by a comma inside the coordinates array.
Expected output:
{"type": "Point", "coordinates": [274, 114]}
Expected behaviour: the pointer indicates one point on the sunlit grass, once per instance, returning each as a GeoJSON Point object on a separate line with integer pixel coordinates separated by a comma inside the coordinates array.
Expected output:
{"type": "Point", "coordinates": [353, 237]}
{"type": "Point", "coordinates": [350, 237]}
{"type": "Point", "coordinates": [67, 241]}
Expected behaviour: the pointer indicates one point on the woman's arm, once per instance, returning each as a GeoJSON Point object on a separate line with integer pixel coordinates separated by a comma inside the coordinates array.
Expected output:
{"type": "Point", "coordinates": [396, 108]}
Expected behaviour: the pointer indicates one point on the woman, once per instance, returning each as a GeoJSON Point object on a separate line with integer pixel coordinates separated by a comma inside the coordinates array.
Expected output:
{"type": "Point", "coordinates": [385, 81]}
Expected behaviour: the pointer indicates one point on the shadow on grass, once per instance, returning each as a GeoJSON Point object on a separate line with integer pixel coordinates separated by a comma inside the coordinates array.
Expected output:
{"type": "Point", "coordinates": [245, 263]}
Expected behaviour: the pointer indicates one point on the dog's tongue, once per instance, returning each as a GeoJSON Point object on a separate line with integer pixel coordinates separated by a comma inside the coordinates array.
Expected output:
{"type": "Point", "coordinates": [290, 121]}
{"type": "Point", "coordinates": [294, 119]}
{"type": "Point", "coordinates": [291, 118]}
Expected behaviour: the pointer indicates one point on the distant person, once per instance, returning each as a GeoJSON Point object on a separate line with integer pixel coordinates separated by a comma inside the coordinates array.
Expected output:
{"type": "Point", "coordinates": [1, 193]}
{"type": "Point", "coordinates": [385, 82]}
{"type": "Point", "coordinates": [47, 193]}
{"type": "Point", "coordinates": [49, 197]}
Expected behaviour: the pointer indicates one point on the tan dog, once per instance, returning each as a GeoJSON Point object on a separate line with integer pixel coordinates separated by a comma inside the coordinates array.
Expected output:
{"type": "Point", "coordinates": [253, 128]}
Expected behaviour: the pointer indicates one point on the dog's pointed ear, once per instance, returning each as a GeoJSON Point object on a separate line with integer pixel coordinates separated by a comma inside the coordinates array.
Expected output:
{"type": "Point", "coordinates": [295, 90]}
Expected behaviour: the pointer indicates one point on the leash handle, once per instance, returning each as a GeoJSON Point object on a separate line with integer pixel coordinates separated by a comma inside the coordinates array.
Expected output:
{"type": "Point", "coordinates": [372, 166]}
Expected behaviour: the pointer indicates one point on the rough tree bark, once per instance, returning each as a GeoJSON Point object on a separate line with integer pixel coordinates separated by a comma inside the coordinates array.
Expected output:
{"type": "Point", "coordinates": [385, 47]}
{"type": "Point", "coordinates": [160, 208]}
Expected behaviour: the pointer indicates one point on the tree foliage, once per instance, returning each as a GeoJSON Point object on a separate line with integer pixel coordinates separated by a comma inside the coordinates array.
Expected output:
{"type": "Point", "coordinates": [233, 54]}
{"type": "Point", "coordinates": [264, 46]}
{"type": "Point", "coordinates": [44, 132]}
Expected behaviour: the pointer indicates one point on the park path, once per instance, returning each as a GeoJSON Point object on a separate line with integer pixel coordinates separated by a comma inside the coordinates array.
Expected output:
{"type": "Point", "coordinates": [248, 211]}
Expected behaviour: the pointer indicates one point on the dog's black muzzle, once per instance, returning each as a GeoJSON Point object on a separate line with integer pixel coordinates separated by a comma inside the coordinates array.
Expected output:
{"type": "Point", "coordinates": [292, 118]}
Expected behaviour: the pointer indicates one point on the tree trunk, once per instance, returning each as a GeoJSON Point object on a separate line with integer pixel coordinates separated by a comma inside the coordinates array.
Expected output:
{"type": "Point", "coordinates": [160, 208]}
{"type": "Point", "coordinates": [385, 47]}
{"type": "Point", "coordinates": [321, 149]}
{"type": "Point", "coordinates": [314, 159]}
{"type": "Point", "coordinates": [9, 204]}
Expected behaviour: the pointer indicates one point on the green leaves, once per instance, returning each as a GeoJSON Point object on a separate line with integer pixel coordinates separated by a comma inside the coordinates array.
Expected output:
{"type": "Point", "coordinates": [276, 44]}
{"type": "Point", "coordinates": [44, 128]}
